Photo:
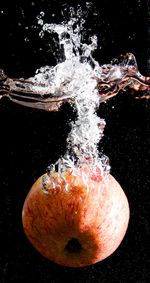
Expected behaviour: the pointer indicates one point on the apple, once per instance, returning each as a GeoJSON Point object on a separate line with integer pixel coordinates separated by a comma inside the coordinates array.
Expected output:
{"type": "Point", "coordinates": [75, 221]}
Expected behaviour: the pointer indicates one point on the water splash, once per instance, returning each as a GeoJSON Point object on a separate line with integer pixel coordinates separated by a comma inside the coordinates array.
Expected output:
{"type": "Point", "coordinates": [76, 76]}
{"type": "Point", "coordinates": [80, 80]}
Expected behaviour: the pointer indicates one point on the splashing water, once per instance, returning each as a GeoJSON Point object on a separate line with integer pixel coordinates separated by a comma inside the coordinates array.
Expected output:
{"type": "Point", "coordinates": [80, 80]}
{"type": "Point", "coordinates": [77, 78]}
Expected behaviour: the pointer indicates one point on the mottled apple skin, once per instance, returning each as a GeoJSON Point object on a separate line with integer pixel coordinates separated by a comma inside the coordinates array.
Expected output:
{"type": "Point", "coordinates": [97, 217]}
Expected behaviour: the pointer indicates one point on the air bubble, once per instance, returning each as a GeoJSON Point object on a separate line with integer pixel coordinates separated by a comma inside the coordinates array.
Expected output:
{"type": "Point", "coordinates": [26, 39]}
{"type": "Point", "coordinates": [40, 22]}
{"type": "Point", "coordinates": [41, 34]}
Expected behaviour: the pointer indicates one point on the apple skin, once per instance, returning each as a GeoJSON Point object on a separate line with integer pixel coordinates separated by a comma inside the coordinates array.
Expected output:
{"type": "Point", "coordinates": [77, 225]}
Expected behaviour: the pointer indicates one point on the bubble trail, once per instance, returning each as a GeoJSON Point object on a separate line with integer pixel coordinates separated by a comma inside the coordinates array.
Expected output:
{"type": "Point", "coordinates": [81, 81]}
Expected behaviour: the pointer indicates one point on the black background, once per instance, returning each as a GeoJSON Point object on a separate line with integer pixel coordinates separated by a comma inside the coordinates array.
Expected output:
{"type": "Point", "coordinates": [32, 139]}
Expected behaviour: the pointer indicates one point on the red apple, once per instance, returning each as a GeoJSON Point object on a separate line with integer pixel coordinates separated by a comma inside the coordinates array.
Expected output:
{"type": "Point", "coordinates": [74, 222]}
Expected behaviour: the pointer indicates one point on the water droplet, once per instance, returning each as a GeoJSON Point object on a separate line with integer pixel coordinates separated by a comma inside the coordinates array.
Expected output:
{"type": "Point", "coordinates": [26, 39]}
{"type": "Point", "coordinates": [41, 34]}
{"type": "Point", "coordinates": [40, 22]}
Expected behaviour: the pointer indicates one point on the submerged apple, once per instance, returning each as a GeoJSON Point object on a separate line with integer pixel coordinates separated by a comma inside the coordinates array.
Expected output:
{"type": "Point", "coordinates": [75, 223]}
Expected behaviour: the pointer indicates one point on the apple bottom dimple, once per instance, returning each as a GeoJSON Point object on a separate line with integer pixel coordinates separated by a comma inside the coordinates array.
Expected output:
{"type": "Point", "coordinates": [73, 252]}
{"type": "Point", "coordinates": [78, 227]}
{"type": "Point", "coordinates": [73, 246]}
